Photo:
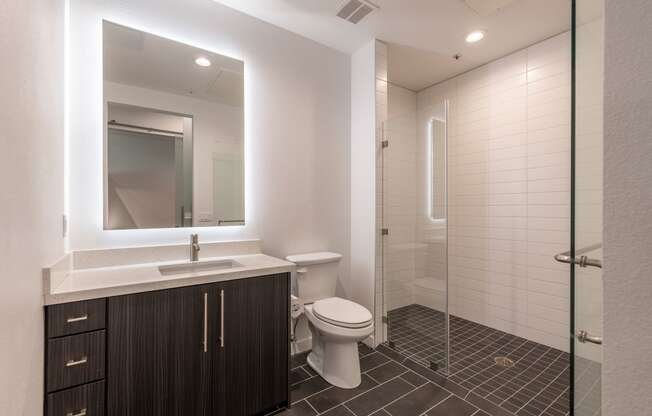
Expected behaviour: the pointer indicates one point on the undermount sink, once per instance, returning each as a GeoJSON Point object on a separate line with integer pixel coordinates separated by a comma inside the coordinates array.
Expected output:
{"type": "Point", "coordinates": [198, 266]}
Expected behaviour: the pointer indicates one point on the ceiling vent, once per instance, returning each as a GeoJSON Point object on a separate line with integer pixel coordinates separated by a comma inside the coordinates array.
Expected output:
{"type": "Point", "coordinates": [488, 7]}
{"type": "Point", "coordinates": [356, 10]}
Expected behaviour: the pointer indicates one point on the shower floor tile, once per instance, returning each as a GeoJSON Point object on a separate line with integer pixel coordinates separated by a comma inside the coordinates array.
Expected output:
{"type": "Point", "coordinates": [537, 384]}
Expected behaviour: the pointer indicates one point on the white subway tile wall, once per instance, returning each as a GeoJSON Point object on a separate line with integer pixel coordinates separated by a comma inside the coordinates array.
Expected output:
{"type": "Point", "coordinates": [509, 183]}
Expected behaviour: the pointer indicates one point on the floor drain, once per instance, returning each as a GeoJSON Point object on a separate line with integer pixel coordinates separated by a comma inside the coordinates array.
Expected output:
{"type": "Point", "coordinates": [504, 362]}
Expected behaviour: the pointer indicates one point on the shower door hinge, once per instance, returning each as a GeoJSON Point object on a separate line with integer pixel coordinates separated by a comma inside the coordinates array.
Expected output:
{"type": "Point", "coordinates": [385, 144]}
{"type": "Point", "coordinates": [64, 226]}
{"type": "Point", "coordinates": [384, 231]}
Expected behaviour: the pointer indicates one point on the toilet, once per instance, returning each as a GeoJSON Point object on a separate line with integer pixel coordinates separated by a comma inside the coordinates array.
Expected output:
{"type": "Point", "coordinates": [336, 324]}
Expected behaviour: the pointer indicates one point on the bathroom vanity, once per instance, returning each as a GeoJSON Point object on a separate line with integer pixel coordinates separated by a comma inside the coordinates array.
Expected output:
{"type": "Point", "coordinates": [199, 342]}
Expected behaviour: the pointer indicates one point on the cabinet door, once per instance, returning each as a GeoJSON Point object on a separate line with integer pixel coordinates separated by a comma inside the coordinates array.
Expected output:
{"type": "Point", "coordinates": [253, 363]}
{"type": "Point", "coordinates": [157, 364]}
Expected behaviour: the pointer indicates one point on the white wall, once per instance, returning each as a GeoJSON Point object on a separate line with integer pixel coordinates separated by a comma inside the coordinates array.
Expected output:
{"type": "Point", "coordinates": [360, 285]}
{"type": "Point", "coordinates": [31, 179]}
{"type": "Point", "coordinates": [628, 202]}
{"type": "Point", "coordinates": [509, 142]}
{"type": "Point", "coordinates": [297, 114]}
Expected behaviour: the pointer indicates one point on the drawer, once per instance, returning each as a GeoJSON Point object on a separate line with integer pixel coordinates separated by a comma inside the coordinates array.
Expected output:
{"type": "Point", "coordinates": [76, 317]}
{"type": "Point", "coordinates": [75, 359]}
{"type": "Point", "coordinates": [86, 400]}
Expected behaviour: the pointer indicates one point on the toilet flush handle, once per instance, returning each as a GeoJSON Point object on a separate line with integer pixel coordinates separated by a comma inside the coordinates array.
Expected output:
{"type": "Point", "coordinates": [302, 270]}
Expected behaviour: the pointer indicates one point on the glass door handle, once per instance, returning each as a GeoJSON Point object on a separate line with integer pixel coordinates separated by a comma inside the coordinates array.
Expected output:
{"type": "Point", "coordinates": [584, 337]}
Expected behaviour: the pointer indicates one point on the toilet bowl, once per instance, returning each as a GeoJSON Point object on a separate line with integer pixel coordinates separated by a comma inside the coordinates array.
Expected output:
{"type": "Point", "coordinates": [335, 337]}
{"type": "Point", "coordinates": [336, 324]}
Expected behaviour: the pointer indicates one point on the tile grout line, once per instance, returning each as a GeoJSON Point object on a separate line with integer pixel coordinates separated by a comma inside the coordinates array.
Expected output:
{"type": "Point", "coordinates": [523, 387]}
{"type": "Point", "coordinates": [506, 369]}
{"type": "Point", "coordinates": [561, 373]}
{"type": "Point", "coordinates": [357, 395]}
{"type": "Point", "coordinates": [496, 352]}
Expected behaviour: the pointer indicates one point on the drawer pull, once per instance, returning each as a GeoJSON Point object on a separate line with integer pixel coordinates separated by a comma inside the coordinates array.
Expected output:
{"type": "Point", "coordinates": [72, 363]}
{"type": "Point", "coordinates": [77, 319]}
{"type": "Point", "coordinates": [82, 412]}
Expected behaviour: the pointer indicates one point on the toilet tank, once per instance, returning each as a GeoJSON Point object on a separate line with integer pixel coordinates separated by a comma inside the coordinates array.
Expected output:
{"type": "Point", "coordinates": [317, 275]}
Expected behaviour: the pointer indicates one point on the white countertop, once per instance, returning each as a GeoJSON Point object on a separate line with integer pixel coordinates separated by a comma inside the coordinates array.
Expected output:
{"type": "Point", "coordinates": [93, 283]}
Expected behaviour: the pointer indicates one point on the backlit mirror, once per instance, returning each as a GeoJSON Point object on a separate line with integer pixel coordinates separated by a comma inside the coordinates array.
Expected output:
{"type": "Point", "coordinates": [174, 133]}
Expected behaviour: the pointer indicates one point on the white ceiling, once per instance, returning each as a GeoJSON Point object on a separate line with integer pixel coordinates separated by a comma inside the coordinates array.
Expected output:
{"type": "Point", "coordinates": [432, 31]}
{"type": "Point", "coordinates": [144, 60]}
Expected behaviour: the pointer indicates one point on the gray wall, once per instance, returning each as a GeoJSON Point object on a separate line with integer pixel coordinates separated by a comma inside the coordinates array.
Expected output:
{"type": "Point", "coordinates": [31, 179]}
{"type": "Point", "coordinates": [627, 371]}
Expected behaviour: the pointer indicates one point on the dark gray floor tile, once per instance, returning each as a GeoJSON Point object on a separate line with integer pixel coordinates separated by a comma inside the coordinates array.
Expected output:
{"type": "Point", "coordinates": [436, 378]}
{"type": "Point", "coordinates": [297, 360]}
{"type": "Point", "coordinates": [418, 401]}
{"type": "Point", "coordinates": [371, 361]}
{"type": "Point", "coordinates": [334, 396]}
{"type": "Point", "coordinates": [338, 411]}
{"type": "Point", "coordinates": [364, 349]}
{"type": "Point", "coordinates": [387, 371]}
{"type": "Point", "coordinates": [414, 379]}
{"type": "Point", "coordinates": [307, 388]}
{"type": "Point", "coordinates": [453, 406]}
{"type": "Point", "coordinates": [390, 353]}
{"type": "Point", "coordinates": [381, 412]}
{"type": "Point", "coordinates": [298, 374]}
{"type": "Point", "coordinates": [378, 397]}
{"type": "Point", "coordinates": [487, 406]}
{"type": "Point", "coordinates": [299, 409]}
{"type": "Point", "coordinates": [309, 370]}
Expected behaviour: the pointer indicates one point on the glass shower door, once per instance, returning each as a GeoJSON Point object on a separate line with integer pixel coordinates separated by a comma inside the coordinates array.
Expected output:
{"type": "Point", "coordinates": [414, 228]}
{"type": "Point", "coordinates": [586, 215]}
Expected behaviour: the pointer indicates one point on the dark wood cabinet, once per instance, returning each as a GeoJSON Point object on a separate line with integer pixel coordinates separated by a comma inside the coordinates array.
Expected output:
{"type": "Point", "coordinates": [217, 349]}
{"type": "Point", "coordinates": [253, 364]}
{"type": "Point", "coordinates": [87, 400]}
{"type": "Point", "coordinates": [75, 360]}
{"type": "Point", "coordinates": [76, 317]}
{"type": "Point", "coordinates": [157, 362]}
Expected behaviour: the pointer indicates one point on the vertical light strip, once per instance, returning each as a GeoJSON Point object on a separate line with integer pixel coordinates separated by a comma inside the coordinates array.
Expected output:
{"type": "Point", "coordinates": [431, 168]}
{"type": "Point", "coordinates": [66, 123]}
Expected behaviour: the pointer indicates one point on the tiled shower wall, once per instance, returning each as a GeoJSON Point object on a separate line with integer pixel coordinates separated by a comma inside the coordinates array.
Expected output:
{"type": "Point", "coordinates": [400, 197]}
{"type": "Point", "coordinates": [509, 164]}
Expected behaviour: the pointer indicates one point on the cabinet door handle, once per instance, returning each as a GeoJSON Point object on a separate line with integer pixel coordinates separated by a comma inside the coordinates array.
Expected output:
{"type": "Point", "coordinates": [82, 412]}
{"type": "Point", "coordinates": [222, 318]}
{"type": "Point", "coordinates": [205, 322]}
{"type": "Point", "coordinates": [72, 363]}
{"type": "Point", "coordinates": [77, 319]}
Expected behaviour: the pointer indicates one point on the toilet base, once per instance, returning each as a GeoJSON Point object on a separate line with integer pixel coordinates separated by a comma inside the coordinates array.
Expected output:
{"type": "Point", "coordinates": [337, 363]}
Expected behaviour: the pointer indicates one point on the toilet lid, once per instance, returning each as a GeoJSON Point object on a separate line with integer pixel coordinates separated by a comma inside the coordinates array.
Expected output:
{"type": "Point", "coordinates": [342, 312]}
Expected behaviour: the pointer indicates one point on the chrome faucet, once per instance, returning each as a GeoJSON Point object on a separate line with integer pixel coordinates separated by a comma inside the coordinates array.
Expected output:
{"type": "Point", "coordinates": [194, 247]}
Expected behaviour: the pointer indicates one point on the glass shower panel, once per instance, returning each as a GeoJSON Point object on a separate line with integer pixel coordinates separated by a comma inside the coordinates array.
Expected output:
{"type": "Point", "coordinates": [414, 244]}
{"type": "Point", "coordinates": [587, 190]}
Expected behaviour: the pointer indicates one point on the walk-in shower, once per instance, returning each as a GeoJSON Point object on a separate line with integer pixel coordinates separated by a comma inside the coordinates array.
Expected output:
{"type": "Point", "coordinates": [483, 178]}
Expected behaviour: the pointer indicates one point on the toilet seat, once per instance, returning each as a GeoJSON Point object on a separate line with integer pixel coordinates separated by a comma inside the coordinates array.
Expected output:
{"type": "Point", "coordinates": [342, 313]}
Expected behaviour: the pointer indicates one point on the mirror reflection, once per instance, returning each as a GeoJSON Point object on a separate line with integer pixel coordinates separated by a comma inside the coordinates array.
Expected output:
{"type": "Point", "coordinates": [174, 133]}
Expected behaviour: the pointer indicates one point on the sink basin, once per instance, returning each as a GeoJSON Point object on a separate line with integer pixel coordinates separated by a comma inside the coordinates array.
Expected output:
{"type": "Point", "coordinates": [198, 266]}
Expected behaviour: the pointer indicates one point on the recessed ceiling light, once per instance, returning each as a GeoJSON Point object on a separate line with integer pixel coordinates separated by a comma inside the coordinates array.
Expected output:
{"type": "Point", "coordinates": [203, 61]}
{"type": "Point", "coordinates": [475, 36]}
